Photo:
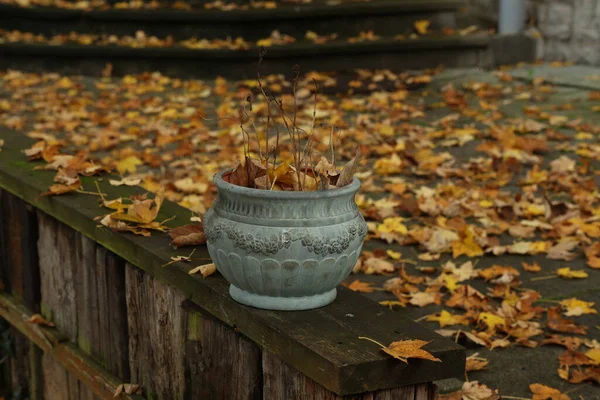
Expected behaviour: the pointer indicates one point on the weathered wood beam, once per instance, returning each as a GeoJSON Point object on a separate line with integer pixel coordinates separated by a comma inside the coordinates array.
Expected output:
{"type": "Point", "coordinates": [322, 344]}
{"type": "Point", "coordinates": [53, 343]}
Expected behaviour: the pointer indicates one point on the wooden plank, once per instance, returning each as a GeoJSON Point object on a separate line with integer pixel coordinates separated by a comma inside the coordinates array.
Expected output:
{"type": "Point", "coordinates": [297, 338]}
{"type": "Point", "coordinates": [156, 335]}
{"type": "Point", "coordinates": [112, 340]}
{"type": "Point", "coordinates": [63, 353]}
{"type": "Point", "coordinates": [64, 255]}
{"type": "Point", "coordinates": [19, 266]}
{"type": "Point", "coordinates": [219, 360]}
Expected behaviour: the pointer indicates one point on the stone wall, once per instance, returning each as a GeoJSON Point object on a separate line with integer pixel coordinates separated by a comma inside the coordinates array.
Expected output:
{"type": "Point", "coordinates": [567, 29]}
{"type": "Point", "coordinates": [570, 29]}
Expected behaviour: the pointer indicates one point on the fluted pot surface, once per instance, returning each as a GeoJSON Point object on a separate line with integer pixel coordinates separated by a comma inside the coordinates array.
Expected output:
{"type": "Point", "coordinates": [284, 250]}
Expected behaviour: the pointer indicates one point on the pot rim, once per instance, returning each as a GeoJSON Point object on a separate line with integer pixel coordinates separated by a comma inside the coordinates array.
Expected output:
{"type": "Point", "coordinates": [292, 195]}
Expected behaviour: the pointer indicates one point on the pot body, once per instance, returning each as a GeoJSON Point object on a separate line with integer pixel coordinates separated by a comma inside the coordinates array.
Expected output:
{"type": "Point", "coordinates": [284, 250]}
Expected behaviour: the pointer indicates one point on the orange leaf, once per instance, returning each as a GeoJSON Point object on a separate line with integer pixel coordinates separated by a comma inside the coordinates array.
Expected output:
{"type": "Point", "coordinates": [363, 287]}
{"type": "Point", "coordinates": [405, 349]}
{"type": "Point", "coordinates": [542, 392]}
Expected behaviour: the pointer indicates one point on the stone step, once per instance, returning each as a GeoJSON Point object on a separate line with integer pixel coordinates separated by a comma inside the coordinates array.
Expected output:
{"type": "Point", "coordinates": [385, 17]}
{"type": "Point", "coordinates": [426, 52]}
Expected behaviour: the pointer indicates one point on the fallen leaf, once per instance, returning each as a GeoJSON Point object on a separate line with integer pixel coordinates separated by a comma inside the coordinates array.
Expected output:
{"type": "Point", "coordinates": [535, 267]}
{"type": "Point", "coordinates": [405, 349]}
{"type": "Point", "coordinates": [125, 181]}
{"type": "Point", "coordinates": [363, 287]}
{"type": "Point", "coordinates": [39, 320]}
{"type": "Point", "coordinates": [474, 390]}
{"type": "Point", "coordinates": [423, 299]}
{"type": "Point", "coordinates": [187, 235]}
{"type": "Point", "coordinates": [575, 307]}
{"type": "Point", "coordinates": [127, 388]}
{"type": "Point", "coordinates": [422, 26]}
{"type": "Point", "coordinates": [205, 270]}
{"type": "Point", "coordinates": [475, 363]}
{"type": "Point", "coordinates": [542, 392]}
{"type": "Point", "coordinates": [560, 324]}
{"type": "Point", "coordinates": [568, 273]}
{"type": "Point", "coordinates": [445, 319]}
{"type": "Point", "coordinates": [128, 165]}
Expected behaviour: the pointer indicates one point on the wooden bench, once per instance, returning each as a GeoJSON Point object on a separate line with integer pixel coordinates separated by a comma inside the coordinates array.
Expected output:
{"type": "Point", "coordinates": [121, 316]}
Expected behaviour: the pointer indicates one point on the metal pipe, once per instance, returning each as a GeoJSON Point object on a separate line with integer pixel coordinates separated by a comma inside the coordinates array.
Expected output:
{"type": "Point", "coordinates": [512, 16]}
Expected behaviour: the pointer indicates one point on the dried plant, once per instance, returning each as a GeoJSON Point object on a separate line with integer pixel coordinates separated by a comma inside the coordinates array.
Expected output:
{"type": "Point", "coordinates": [296, 171]}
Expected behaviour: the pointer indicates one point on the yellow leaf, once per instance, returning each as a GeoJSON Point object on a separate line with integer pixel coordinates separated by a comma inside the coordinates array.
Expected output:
{"type": "Point", "coordinates": [490, 320]}
{"type": "Point", "coordinates": [468, 246]}
{"type": "Point", "coordinates": [445, 318]}
{"type": "Point", "coordinates": [393, 225]}
{"type": "Point", "coordinates": [388, 166]}
{"type": "Point", "coordinates": [594, 354]}
{"type": "Point", "coordinates": [394, 255]}
{"type": "Point", "coordinates": [567, 273]}
{"type": "Point", "coordinates": [575, 307]}
{"type": "Point", "coordinates": [421, 26]}
{"type": "Point", "coordinates": [128, 164]}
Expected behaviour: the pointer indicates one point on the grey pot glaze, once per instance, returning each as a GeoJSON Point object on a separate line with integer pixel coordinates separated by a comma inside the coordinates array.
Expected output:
{"type": "Point", "coordinates": [284, 250]}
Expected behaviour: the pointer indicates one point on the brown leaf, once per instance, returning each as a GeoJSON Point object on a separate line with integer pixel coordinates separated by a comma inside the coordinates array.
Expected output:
{"type": "Point", "coordinates": [39, 320]}
{"type": "Point", "coordinates": [349, 169]}
{"type": "Point", "coordinates": [585, 374]}
{"type": "Point", "coordinates": [475, 363]}
{"type": "Point", "coordinates": [542, 392]}
{"type": "Point", "coordinates": [127, 388]}
{"type": "Point", "coordinates": [557, 323]}
{"type": "Point", "coordinates": [205, 270]}
{"type": "Point", "coordinates": [405, 349]}
{"type": "Point", "coordinates": [363, 287]}
{"type": "Point", "coordinates": [59, 188]}
{"type": "Point", "coordinates": [474, 390]}
{"type": "Point", "coordinates": [187, 235]}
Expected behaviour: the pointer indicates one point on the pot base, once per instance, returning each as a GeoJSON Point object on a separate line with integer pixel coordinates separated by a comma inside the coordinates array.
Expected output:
{"type": "Point", "coordinates": [282, 303]}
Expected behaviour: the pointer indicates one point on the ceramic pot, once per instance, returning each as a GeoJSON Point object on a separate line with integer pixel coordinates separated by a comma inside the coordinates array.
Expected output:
{"type": "Point", "coordinates": [284, 250]}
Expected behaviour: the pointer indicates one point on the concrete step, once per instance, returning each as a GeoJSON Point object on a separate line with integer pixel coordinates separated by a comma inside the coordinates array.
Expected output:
{"type": "Point", "coordinates": [425, 52]}
{"type": "Point", "coordinates": [385, 17]}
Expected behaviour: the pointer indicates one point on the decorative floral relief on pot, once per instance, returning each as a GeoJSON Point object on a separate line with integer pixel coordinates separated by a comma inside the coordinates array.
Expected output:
{"type": "Point", "coordinates": [284, 250]}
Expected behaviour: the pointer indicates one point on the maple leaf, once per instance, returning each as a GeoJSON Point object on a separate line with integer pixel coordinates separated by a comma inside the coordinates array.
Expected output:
{"type": "Point", "coordinates": [575, 307]}
{"type": "Point", "coordinates": [585, 374]}
{"type": "Point", "coordinates": [475, 363]}
{"type": "Point", "coordinates": [562, 250]}
{"type": "Point", "coordinates": [535, 267]}
{"type": "Point", "coordinates": [363, 287]}
{"type": "Point", "coordinates": [559, 324]}
{"type": "Point", "coordinates": [543, 392]}
{"type": "Point", "coordinates": [468, 246]}
{"type": "Point", "coordinates": [187, 235]}
{"type": "Point", "coordinates": [423, 299]}
{"type": "Point", "coordinates": [60, 188]}
{"type": "Point", "coordinates": [491, 321]}
{"type": "Point", "coordinates": [593, 255]}
{"type": "Point", "coordinates": [39, 320]}
{"type": "Point", "coordinates": [405, 349]}
{"type": "Point", "coordinates": [422, 26]}
{"type": "Point", "coordinates": [445, 318]}
{"type": "Point", "coordinates": [128, 165]}
{"type": "Point", "coordinates": [568, 273]}
{"type": "Point", "coordinates": [373, 265]}
{"type": "Point", "coordinates": [569, 342]}
{"type": "Point", "coordinates": [474, 390]}
{"type": "Point", "coordinates": [205, 270]}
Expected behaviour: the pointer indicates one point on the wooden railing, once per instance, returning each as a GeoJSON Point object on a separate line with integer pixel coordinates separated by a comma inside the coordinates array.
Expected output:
{"type": "Point", "coordinates": [121, 316]}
